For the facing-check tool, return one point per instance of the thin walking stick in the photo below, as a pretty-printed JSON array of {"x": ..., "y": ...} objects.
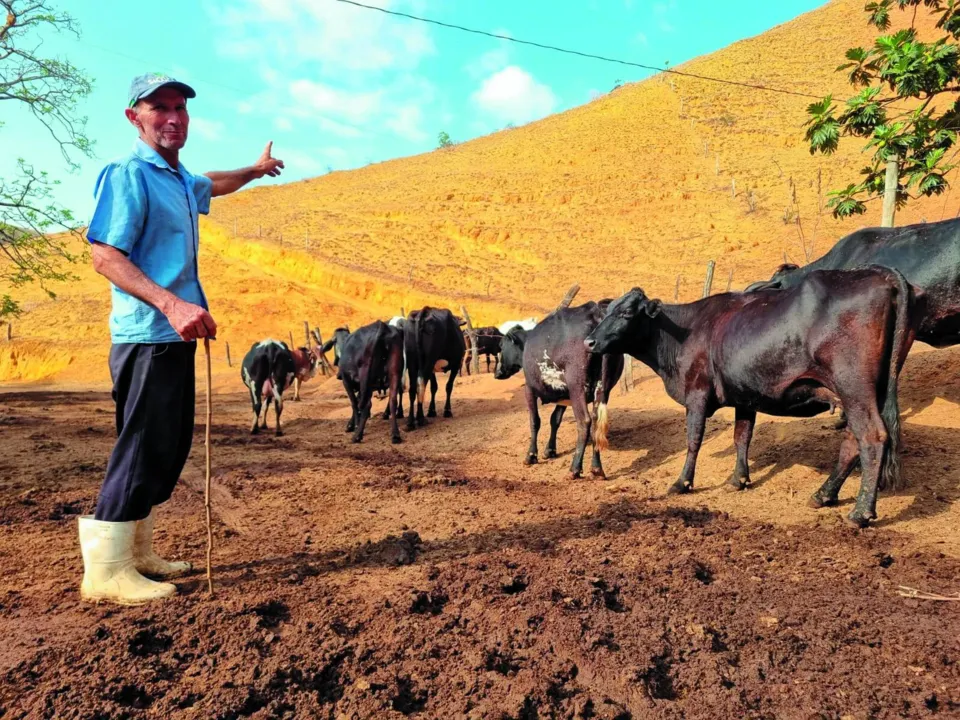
[{"x": 206, "y": 499}]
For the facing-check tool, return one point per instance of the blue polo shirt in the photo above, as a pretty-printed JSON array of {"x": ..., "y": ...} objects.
[{"x": 150, "y": 211}]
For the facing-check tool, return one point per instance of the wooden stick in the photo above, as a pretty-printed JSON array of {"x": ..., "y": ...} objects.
[
  {"x": 474, "y": 356},
  {"x": 206, "y": 498},
  {"x": 568, "y": 298},
  {"x": 909, "y": 592}
]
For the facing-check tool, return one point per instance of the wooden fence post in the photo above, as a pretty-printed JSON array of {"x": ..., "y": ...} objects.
[
  {"x": 475, "y": 359},
  {"x": 291, "y": 340},
  {"x": 676, "y": 290},
  {"x": 890, "y": 192},
  {"x": 708, "y": 283},
  {"x": 9, "y": 331},
  {"x": 324, "y": 363},
  {"x": 730, "y": 280},
  {"x": 229, "y": 364},
  {"x": 568, "y": 298},
  {"x": 306, "y": 333}
]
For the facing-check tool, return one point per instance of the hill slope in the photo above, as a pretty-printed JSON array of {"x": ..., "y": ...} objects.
[{"x": 635, "y": 188}]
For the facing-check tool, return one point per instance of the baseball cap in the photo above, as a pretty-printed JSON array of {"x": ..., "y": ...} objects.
[{"x": 144, "y": 85}]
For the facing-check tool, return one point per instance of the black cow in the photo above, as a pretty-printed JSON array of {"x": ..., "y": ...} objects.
[
  {"x": 488, "y": 343},
  {"x": 839, "y": 334},
  {"x": 928, "y": 256},
  {"x": 433, "y": 344},
  {"x": 557, "y": 368},
  {"x": 336, "y": 342},
  {"x": 365, "y": 357},
  {"x": 267, "y": 370}
]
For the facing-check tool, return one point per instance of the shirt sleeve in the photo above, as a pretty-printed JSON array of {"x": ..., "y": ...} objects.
[
  {"x": 121, "y": 208},
  {"x": 202, "y": 191}
]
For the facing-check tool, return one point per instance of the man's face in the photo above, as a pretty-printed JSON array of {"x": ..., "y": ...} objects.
[{"x": 162, "y": 119}]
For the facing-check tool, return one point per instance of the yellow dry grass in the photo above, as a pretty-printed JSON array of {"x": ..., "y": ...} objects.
[{"x": 634, "y": 188}]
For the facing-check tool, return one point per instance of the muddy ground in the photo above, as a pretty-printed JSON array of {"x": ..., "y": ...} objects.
[{"x": 443, "y": 579}]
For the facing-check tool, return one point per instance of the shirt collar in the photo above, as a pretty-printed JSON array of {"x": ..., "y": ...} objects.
[{"x": 147, "y": 153}]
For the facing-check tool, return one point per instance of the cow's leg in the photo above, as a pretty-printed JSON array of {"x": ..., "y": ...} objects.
[
  {"x": 352, "y": 394},
  {"x": 278, "y": 407},
  {"x": 266, "y": 411},
  {"x": 581, "y": 412},
  {"x": 365, "y": 402},
  {"x": 488, "y": 364},
  {"x": 447, "y": 410},
  {"x": 596, "y": 466},
  {"x": 393, "y": 403},
  {"x": 829, "y": 492},
  {"x": 296, "y": 389},
  {"x": 867, "y": 425},
  {"x": 555, "y": 418},
  {"x": 532, "y": 410},
  {"x": 742, "y": 433},
  {"x": 432, "y": 412},
  {"x": 696, "y": 423},
  {"x": 421, "y": 392}
]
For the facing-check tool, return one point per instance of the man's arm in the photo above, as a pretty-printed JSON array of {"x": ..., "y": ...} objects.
[
  {"x": 188, "y": 320},
  {"x": 230, "y": 181}
]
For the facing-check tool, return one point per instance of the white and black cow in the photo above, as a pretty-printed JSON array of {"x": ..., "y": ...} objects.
[
  {"x": 559, "y": 369},
  {"x": 528, "y": 324},
  {"x": 267, "y": 370}
]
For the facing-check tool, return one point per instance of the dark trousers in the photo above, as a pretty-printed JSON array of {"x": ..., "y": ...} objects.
[{"x": 153, "y": 387}]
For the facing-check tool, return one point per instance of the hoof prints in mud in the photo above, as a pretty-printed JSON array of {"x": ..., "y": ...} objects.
[
  {"x": 271, "y": 614},
  {"x": 149, "y": 642}
]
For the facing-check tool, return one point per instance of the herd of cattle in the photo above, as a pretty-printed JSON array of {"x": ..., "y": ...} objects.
[{"x": 834, "y": 333}]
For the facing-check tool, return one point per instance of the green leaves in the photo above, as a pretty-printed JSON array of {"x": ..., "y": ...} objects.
[{"x": 898, "y": 80}]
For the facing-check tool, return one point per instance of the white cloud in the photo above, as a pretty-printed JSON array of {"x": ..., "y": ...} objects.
[
  {"x": 407, "y": 122},
  {"x": 490, "y": 62},
  {"x": 350, "y": 106},
  {"x": 513, "y": 95},
  {"x": 662, "y": 15},
  {"x": 333, "y": 33},
  {"x": 207, "y": 129},
  {"x": 282, "y": 123}
]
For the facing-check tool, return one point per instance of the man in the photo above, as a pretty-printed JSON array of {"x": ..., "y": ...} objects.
[{"x": 145, "y": 238}]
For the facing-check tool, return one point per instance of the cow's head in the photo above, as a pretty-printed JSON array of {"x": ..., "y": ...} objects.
[
  {"x": 511, "y": 353},
  {"x": 626, "y": 317},
  {"x": 305, "y": 362}
]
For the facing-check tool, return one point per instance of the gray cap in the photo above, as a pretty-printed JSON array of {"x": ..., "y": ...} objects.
[{"x": 145, "y": 85}]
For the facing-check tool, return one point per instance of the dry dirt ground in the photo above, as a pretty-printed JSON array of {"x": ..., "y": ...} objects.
[{"x": 443, "y": 579}]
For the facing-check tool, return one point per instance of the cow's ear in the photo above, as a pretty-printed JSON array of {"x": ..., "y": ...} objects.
[{"x": 653, "y": 308}]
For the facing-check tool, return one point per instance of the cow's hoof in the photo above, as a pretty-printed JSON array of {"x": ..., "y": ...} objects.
[
  {"x": 356, "y": 438},
  {"x": 432, "y": 413},
  {"x": 530, "y": 460},
  {"x": 598, "y": 473},
  {"x": 680, "y": 488},
  {"x": 550, "y": 454},
  {"x": 279, "y": 433},
  {"x": 255, "y": 430},
  {"x": 447, "y": 413},
  {"x": 817, "y": 501},
  {"x": 858, "y": 520},
  {"x": 396, "y": 439},
  {"x": 574, "y": 475},
  {"x": 385, "y": 416},
  {"x": 421, "y": 422},
  {"x": 410, "y": 427},
  {"x": 735, "y": 484}
]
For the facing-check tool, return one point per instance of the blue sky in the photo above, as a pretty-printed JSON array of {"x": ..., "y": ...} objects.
[{"x": 335, "y": 86}]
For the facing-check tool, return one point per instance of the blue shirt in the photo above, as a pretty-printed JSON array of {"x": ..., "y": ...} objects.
[{"x": 150, "y": 211}]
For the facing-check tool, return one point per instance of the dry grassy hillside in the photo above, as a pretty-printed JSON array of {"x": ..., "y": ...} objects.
[{"x": 633, "y": 188}]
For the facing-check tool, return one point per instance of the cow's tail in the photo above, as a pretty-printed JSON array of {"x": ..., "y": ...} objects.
[
  {"x": 891, "y": 478},
  {"x": 602, "y": 424}
]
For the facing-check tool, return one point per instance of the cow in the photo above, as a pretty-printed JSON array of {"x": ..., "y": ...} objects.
[
  {"x": 305, "y": 362},
  {"x": 433, "y": 343},
  {"x": 528, "y": 324},
  {"x": 928, "y": 256},
  {"x": 557, "y": 368},
  {"x": 839, "y": 334},
  {"x": 365, "y": 357},
  {"x": 267, "y": 370},
  {"x": 488, "y": 344},
  {"x": 336, "y": 342}
]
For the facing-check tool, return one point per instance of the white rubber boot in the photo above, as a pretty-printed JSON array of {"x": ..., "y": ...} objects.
[
  {"x": 109, "y": 573},
  {"x": 146, "y": 560}
]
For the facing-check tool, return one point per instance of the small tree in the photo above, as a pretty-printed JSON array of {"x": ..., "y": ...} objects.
[
  {"x": 444, "y": 139},
  {"x": 50, "y": 89},
  {"x": 903, "y": 124}
]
